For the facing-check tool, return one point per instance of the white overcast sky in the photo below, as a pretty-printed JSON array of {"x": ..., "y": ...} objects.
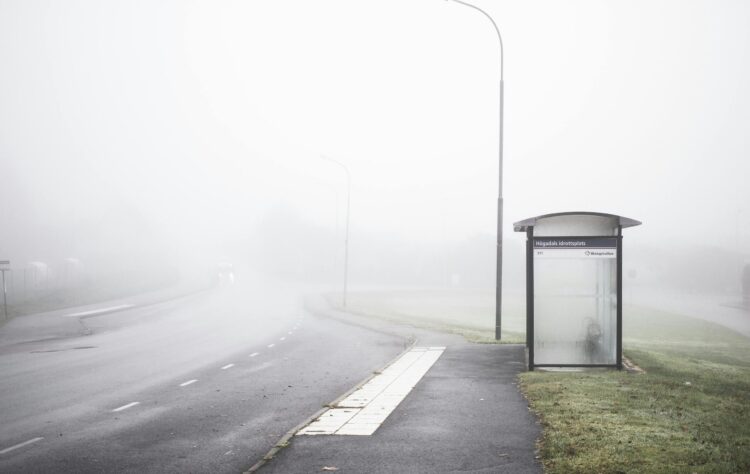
[{"x": 215, "y": 112}]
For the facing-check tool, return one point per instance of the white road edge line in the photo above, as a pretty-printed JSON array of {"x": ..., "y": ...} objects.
[
  {"x": 271, "y": 345},
  {"x": 98, "y": 311},
  {"x": 20, "y": 445},
  {"x": 185, "y": 384},
  {"x": 254, "y": 354},
  {"x": 228, "y": 366},
  {"x": 125, "y": 407}
]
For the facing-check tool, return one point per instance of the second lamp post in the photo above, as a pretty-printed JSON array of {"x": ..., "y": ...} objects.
[{"x": 346, "y": 239}]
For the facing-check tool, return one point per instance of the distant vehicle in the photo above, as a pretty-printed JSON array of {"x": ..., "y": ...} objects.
[{"x": 225, "y": 274}]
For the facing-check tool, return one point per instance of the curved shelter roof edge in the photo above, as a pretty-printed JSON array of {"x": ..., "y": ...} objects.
[{"x": 522, "y": 226}]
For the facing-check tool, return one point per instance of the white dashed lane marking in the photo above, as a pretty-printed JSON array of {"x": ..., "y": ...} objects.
[
  {"x": 349, "y": 413},
  {"x": 362, "y": 412},
  {"x": 125, "y": 407},
  {"x": 20, "y": 445}
]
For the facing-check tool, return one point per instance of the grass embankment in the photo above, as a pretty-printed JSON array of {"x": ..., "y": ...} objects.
[
  {"x": 469, "y": 313},
  {"x": 690, "y": 411}
]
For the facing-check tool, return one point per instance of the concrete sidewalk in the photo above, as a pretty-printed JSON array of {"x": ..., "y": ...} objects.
[{"x": 465, "y": 415}]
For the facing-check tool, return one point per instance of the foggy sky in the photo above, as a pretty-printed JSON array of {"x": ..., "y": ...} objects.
[{"x": 201, "y": 118}]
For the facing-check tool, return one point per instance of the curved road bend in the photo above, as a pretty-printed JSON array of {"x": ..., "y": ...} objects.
[{"x": 202, "y": 384}]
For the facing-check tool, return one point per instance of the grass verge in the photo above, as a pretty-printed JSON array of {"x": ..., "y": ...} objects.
[
  {"x": 690, "y": 411},
  {"x": 469, "y": 313}
]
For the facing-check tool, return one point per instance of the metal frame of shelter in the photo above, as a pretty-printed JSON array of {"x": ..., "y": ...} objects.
[{"x": 527, "y": 226}]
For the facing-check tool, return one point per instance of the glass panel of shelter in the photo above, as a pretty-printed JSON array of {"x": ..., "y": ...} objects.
[
  {"x": 575, "y": 299},
  {"x": 575, "y": 311}
]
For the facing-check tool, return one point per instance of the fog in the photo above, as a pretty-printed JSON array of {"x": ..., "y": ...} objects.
[
  {"x": 223, "y": 221},
  {"x": 150, "y": 141}
]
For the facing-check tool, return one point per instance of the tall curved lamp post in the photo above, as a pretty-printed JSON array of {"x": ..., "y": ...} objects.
[
  {"x": 499, "y": 269},
  {"x": 346, "y": 239}
]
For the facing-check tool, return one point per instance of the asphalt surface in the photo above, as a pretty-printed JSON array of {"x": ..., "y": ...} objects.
[
  {"x": 212, "y": 382},
  {"x": 206, "y": 383},
  {"x": 465, "y": 415}
]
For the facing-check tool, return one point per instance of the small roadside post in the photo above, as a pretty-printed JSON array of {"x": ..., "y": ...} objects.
[{"x": 4, "y": 268}]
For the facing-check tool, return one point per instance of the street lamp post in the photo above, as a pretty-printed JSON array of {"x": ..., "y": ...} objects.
[
  {"x": 346, "y": 238},
  {"x": 499, "y": 269}
]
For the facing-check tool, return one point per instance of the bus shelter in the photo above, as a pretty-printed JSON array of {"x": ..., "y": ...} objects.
[{"x": 574, "y": 289}]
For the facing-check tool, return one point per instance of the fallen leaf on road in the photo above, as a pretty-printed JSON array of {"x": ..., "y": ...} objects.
[{"x": 329, "y": 468}]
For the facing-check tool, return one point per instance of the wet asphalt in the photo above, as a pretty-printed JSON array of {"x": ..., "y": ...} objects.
[
  {"x": 118, "y": 399},
  {"x": 465, "y": 415},
  {"x": 211, "y": 384}
]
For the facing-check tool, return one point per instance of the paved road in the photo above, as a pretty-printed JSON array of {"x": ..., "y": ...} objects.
[
  {"x": 206, "y": 383},
  {"x": 465, "y": 415}
]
